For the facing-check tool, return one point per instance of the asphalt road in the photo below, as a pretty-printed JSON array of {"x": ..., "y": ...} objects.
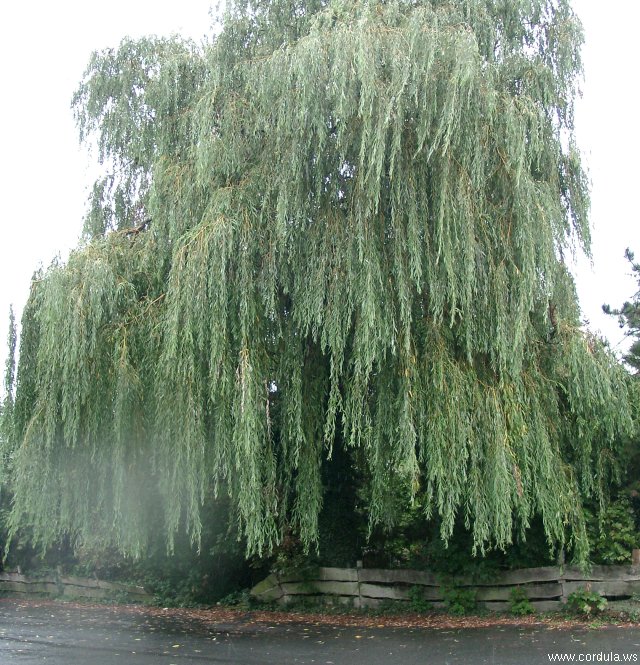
[{"x": 59, "y": 634}]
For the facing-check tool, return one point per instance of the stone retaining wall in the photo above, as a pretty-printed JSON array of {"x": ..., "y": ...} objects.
[
  {"x": 546, "y": 588},
  {"x": 59, "y": 586}
]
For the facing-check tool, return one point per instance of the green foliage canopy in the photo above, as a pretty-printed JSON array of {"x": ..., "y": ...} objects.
[
  {"x": 629, "y": 316},
  {"x": 358, "y": 217},
  {"x": 6, "y": 404}
]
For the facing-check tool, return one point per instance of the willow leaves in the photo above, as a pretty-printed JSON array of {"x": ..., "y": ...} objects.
[{"x": 359, "y": 212}]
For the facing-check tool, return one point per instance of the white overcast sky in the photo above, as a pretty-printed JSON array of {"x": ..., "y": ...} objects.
[{"x": 44, "y": 173}]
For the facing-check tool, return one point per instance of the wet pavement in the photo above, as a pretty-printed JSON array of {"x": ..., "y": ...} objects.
[{"x": 64, "y": 634}]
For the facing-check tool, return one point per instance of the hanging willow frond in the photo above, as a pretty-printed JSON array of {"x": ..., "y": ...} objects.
[{"x": 358, "y": 212}]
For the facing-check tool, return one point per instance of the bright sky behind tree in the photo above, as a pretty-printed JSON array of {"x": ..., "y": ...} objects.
[{"x": 45, "y": 175}]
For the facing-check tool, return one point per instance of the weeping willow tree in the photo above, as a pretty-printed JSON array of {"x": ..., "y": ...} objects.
[{"x": 336, "y": 224}]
